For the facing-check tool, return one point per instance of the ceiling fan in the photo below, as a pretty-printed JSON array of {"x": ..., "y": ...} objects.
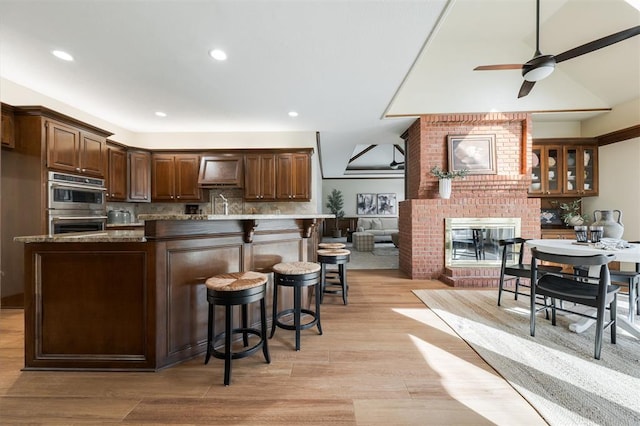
[{"x": 541, "y": 66}]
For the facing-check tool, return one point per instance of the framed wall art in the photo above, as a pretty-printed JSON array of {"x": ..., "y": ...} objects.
[
  {"x": 366, "y": 204},
  {"x": 386, "y": 204},
  {"x": 476, "y": 153}
]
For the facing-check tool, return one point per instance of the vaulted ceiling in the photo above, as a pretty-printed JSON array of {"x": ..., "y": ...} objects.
[{"x": 357, "y": 72}]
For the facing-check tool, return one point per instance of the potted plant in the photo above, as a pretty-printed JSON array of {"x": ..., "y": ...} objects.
[
  {"x": 572, "y": 214},
  {"x": 445, "y": 178},
  {"x": 335, "y": 204}
]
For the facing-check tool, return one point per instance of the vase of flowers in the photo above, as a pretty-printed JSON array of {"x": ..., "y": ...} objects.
[{"x": 445, "y": 178}]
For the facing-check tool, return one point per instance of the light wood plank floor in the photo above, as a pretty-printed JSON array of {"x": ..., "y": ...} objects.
[{"x": 383, "y": 359}]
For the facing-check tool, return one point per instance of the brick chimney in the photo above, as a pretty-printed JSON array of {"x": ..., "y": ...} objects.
[{"x": 423, "y": 213}]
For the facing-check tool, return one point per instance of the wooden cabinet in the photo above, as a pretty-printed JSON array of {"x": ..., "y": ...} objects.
[
  {"x": 139, "y": 172},
  {"x": 8, "y": 127},
  {"x": 221, "y": 169},
  {"x": 175, "y": 177},
  {"x": 564, "y": 167},
  {"x": 293, "y": 172},
  {"x": 558, "y": 233},
  {"x": 259, "y": 177},
  {"x": 581, "y": 171},
  {"x": 75, "y": 151},
  {"x": 116, "y": 181},
  {"x": 278, "y": 176}
]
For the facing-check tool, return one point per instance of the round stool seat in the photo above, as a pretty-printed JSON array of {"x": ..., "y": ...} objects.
[
  {"x": 296, "y": 268},
  {"x": 236, "y": 281},
  {"x": 331, "y": 245},
  {"x": 236, "y": 289}
]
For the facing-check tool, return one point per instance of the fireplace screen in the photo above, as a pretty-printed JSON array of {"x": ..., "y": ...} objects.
[{"x": 474, "y": 241}]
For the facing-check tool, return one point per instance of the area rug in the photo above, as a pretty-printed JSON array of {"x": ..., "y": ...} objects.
[
  {"x": 555, "y": 370},
  {"x": 386, "y": 251}
]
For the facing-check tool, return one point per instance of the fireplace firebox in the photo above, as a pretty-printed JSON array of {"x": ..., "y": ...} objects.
[{"x": 474, "y": 241}]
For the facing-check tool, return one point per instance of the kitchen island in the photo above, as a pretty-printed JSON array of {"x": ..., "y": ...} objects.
[{"x": 136, "y": 300}]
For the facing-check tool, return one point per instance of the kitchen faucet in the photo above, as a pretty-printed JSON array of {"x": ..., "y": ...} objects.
[{"x": 225, "y": 205}]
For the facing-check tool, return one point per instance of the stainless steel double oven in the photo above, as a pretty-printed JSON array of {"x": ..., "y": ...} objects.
[{"x": 76, "y": 203}]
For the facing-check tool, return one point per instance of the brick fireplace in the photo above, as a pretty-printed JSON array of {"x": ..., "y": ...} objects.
[{"x": 423, "y": 213}]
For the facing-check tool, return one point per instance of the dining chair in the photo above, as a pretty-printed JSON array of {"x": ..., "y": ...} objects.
[
  {"x": 515, "y": 247},
  {"x": 597, "y": 293}
]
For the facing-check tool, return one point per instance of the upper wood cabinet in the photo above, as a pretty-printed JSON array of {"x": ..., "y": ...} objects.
[
  {"x": 116, "y": 174},
  {"x": 139, "y": 168},
  {"x": 564, "y": 167},
  {"x": 174, "y": 177},
  {"x": 259, "y": 177},
  {"x": 221, "y": 169},
  {"x": 293, "y": 172},
  {"x": 277, "y": 176},
  {"x": 72, "y": 150},
  {"x": 8, "y": 127}
]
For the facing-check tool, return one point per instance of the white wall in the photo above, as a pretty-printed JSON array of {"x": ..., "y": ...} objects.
[
  {"x": 555, "y": 129},
  {"x": 619, "y": 184},
  {"x": 351, "y": 187}
]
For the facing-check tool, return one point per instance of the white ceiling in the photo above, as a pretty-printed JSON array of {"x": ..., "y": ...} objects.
[{"x": 345, "y": 66}]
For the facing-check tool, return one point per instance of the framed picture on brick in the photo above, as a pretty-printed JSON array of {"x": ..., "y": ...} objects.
[{"x": 476, "y": 153}]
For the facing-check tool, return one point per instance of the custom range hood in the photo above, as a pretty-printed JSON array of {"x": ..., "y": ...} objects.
[{"x": 218, "y": 170}]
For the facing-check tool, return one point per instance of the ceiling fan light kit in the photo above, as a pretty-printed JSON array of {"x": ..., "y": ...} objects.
[
  {"x": 541, "y": 66},
  {"x": 538, "y": 68}
]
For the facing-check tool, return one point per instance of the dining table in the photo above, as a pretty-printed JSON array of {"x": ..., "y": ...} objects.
[{"x": 623, "y": 252}]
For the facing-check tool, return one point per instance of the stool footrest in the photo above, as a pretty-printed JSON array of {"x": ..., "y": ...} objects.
[
  {"x": 245, "y": 352},
  {"x": 304, "y": 326}
]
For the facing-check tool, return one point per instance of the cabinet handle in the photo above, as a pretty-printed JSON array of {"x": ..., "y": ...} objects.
[
  {"x": 178, "y": 197},
  {"x": 84, "y": 170},
  {"x": 77, "y": 169}
]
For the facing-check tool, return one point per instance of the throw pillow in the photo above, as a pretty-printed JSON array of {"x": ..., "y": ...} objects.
[
  {"x": 364, "y": 223},
  {"x": 376, "y": 224}
]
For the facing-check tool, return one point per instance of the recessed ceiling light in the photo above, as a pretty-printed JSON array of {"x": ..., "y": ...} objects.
[
  {"x": 161, "y": 114},
  {"x": 62, "y": 55},
  {"x": 293, "y": 114},
  {"x": 218, "y": 54}
]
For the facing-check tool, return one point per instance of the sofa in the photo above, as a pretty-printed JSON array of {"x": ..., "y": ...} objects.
[{"x": 382, "y": 228}]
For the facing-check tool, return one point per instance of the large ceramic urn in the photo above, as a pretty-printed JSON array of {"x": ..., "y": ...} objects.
[{"x": 613, "y": 228}]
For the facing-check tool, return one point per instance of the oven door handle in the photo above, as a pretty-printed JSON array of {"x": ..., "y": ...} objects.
[
  {"x": 70, "y": 185},
  {"x": 77, "y": 217}
]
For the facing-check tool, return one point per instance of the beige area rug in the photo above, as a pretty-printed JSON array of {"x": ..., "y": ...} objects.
[{"x": 555, "y": 370}]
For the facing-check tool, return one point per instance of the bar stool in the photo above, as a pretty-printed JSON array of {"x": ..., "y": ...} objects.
[
  {"x": 338, "y": 257},
  {"x": 228, "y": 290},
  {"x": 296, "y": 275}
]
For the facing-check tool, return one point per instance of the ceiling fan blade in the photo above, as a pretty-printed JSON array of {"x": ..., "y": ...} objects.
[
  {"x": 598, "y": 44},
  {"x": 498, "y": 67},
  {"x": 525, "y": 88}
]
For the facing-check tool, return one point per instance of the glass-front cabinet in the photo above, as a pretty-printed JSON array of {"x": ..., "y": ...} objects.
[
  {"x": 581, "y": 172},
  {"x": 546, "y": 171},
  {"x": 564, "y": 167}
]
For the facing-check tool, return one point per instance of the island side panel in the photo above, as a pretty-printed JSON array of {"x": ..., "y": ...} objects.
[{"x": 89, "y": 308}]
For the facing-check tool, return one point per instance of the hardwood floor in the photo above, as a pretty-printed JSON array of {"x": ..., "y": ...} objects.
[{"x": 383, "y": 359}]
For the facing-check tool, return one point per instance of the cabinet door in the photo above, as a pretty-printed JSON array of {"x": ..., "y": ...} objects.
[
  {"x": 162, "y": 175},
  {"x": 63, "y": 147},
  {"x": 301, "y": 178},
  {"x": 589, "y": 155},
  {"x": 8, "y": 130},
  {"x": 284, "y": 177},
  {"x": 259, "y": 177},
  {"x": 117, "y": 175},
  {"x": 581, "y": 170},
  {"x": 186, "y": 175},
  {"x": 92, "y": 154},
  {"x": 552, "y": 170},
  {"x": 139, "y": 176}
]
